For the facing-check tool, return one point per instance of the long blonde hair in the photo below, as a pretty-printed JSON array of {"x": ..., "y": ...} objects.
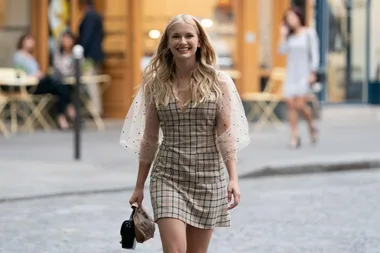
[{"x": 159, "y": 75}]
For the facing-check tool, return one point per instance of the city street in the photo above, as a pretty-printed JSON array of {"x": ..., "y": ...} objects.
[
  {"x": 331, "y": 213},
  {"x": 69, "y": 75}
]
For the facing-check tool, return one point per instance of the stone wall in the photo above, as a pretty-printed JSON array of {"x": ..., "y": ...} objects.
[{"x": 17, "y": 21}]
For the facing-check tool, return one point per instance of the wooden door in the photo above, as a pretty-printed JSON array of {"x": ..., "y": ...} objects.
[
  {"x": 2, "y": 13},
  {"x": 40, "y": 31},
  {"x": 123, "y": 52},
  {"x": 250, "y": 38},
  {"x": 247, "y": 26},
  {"x": 278, "y": 12}
]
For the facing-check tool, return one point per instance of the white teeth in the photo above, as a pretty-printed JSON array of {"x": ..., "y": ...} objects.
[{"x": 183, "y": 49}]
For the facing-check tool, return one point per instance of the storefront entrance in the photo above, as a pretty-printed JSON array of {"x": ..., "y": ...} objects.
[
  {"x": 244, "y": 34},
  {"x": 347, "y": 42}
]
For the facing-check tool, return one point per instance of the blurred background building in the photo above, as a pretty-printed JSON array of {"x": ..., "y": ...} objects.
[{"x": 244, "y": 33}]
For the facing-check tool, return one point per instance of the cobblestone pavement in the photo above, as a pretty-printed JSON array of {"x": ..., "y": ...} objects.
[{"x": 329, "y": 213}]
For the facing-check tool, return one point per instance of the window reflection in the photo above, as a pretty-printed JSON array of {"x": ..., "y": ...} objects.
[
  {"x": 337, "y": 89},
  {"x": 336, "y": 52}
]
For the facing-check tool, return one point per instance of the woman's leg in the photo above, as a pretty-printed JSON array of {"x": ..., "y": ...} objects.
[
  {"x": 65, "y": 104},
  {"x": 71, "y": 112},
  {"x": 64, "y": 101},
  {"x": 173, "y": 235},
  {"x": 293, "y": 121},
  {"x": 198, "y": 239},
  {"x": 303, "y": 108},
  {"x": 48, "y": 85}
]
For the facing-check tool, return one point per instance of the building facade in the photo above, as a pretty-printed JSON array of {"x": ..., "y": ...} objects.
[{"x": 244, "y": 33}]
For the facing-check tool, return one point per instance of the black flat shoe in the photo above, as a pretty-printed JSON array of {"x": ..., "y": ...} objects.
[{"x": 64, "y": 129}]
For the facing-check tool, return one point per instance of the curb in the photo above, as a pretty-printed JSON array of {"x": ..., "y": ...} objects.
[
  {"x": 265, "y": 171},
  {"x": 65, "y": 194},
  {"x": 311, "y": 168}
]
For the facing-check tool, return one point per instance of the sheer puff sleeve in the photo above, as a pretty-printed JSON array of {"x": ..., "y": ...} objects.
[
  {"x": 231, "y": 124},
  {"x": 140, "y": 132}
]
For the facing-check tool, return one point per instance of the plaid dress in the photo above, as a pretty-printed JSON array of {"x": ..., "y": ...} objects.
[{"x": 188, "y": 180}]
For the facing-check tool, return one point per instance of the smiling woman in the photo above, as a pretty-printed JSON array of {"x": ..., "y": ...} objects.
[{"x": 197, "y": 109}]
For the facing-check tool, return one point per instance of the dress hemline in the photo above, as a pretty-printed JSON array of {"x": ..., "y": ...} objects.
[{"x": 193, "y": 224}]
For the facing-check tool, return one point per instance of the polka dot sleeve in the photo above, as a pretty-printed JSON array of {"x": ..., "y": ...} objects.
[
  {"x": 140, "y": 132},
  {"x": 232, "y": 125}
]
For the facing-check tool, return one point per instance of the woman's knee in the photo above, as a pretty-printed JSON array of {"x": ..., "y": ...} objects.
[
  {"x": 173, "y": 235},
  {"x": 300, "y": 103},
  {"x": 291, "y": 104},
  {"x": 198, "y": 240}
]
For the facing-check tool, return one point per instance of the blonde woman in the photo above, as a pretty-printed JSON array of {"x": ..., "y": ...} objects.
[{"x": 187, "y": 122}]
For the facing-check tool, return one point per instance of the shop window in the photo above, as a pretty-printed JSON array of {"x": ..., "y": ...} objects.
[{"x": 338, "y": 90}]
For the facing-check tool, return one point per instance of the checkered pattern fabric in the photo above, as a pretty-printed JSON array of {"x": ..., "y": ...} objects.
[{"x": 188, "y": 176}]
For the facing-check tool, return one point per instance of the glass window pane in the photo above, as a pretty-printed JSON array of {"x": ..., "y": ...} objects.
[
  {"x": 337, "y": 89},
  {"x": 336, "y": 52},
  {"x": 357, "y": 88}
]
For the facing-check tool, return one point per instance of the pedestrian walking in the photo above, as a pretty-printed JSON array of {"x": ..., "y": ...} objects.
[
  {"x": 187, "y": 122},
  {"x": 300, "y": 44}
]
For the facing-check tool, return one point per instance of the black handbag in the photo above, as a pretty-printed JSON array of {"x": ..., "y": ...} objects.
[{"x": 127, "y": 232}]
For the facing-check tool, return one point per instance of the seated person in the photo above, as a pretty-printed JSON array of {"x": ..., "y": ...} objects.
[
  {"x": 24, "y": 59},
  {"x": 63, "y": 60}
]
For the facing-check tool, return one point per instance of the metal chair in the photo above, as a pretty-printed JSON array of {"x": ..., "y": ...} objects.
[
  {"x": 264, "y": 103},
  {"x": 19, "y": 89}
]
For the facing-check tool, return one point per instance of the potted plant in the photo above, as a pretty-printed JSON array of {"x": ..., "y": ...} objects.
[{"x": 88, "y": 67}]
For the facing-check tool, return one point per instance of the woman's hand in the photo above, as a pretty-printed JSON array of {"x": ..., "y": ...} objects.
[
  {"x": 233, "y": 190},
  {"x": 137, "y": 197},
  {"x": 284, "y": 31}
]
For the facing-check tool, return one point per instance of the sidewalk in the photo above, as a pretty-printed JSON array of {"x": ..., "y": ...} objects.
[{"x": 42, "y": 164}]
